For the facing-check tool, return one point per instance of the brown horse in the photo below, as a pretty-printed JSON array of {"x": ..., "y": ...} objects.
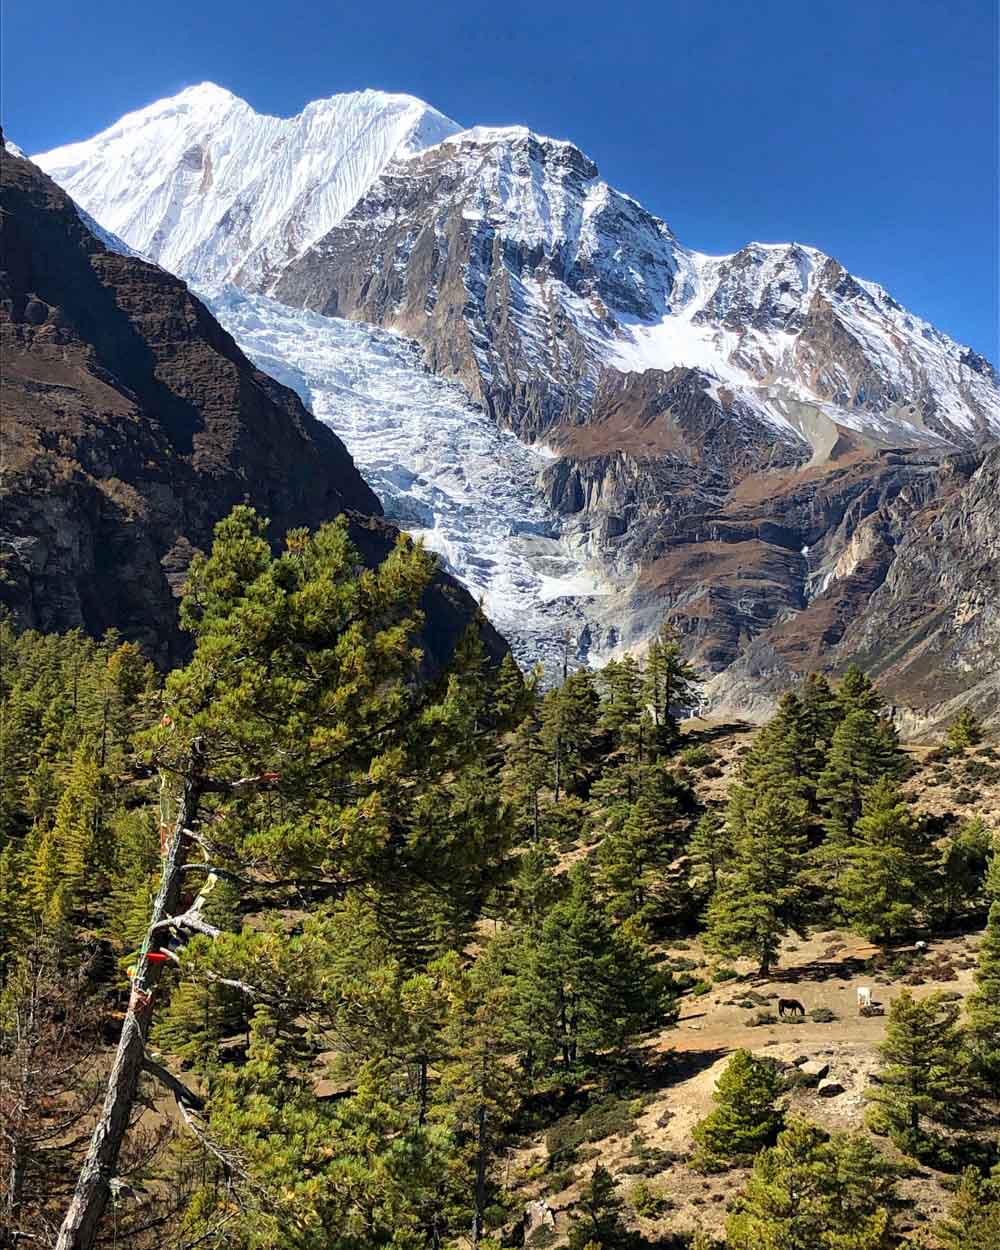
[{"x": 790, "y": 1007}]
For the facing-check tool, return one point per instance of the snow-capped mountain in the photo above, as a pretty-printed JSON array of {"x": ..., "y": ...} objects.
[
  {"x": 526, "y": 276},
  {"x": 214, "y": 191},
  {"x": 739, "y": 442}
]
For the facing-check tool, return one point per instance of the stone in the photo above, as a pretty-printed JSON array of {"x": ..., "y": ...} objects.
[
  {"x": 829, "y": 1089},
  {"x": 538, "y": 1214},
  {"x": 814, "y": 1070}
]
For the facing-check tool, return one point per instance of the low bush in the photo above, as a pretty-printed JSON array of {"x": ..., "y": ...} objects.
[
  {"x": 697, "y": 757},
  {"x": 762, "y": 1017},
  {"x": 558, "y": 1181},
  {"x": 822, "y": 1015},
  {"x": 648, "y": 1201},
  {"x": 607, "y": 1117}
]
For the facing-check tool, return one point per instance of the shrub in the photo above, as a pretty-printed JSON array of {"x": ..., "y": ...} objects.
[
  {"x": 697, "y": 757},
  {"x": 648, "y": 1201},
  {"x": 608, "y": 1117},
  {"x": 725, "y": 974},
  {"x": 700, "y": 987},
  {"x": 966, "y": 730},
  {"x": 822, "y": 1015},
  {"x": 560, "y": 1180},
  {"x": 762, "y": 1017}
]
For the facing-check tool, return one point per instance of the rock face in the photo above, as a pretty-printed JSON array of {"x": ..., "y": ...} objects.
[
  {"x": 758, "y": 445},
  {"x": 132, "y": 424},
  {"x": 913, "y": 596}
]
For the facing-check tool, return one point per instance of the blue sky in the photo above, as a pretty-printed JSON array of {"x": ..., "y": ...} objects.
[{"x": 865, "y": 127}]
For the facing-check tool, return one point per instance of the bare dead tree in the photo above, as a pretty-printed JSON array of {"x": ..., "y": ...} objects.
[{"x": 94, "y": 1184}]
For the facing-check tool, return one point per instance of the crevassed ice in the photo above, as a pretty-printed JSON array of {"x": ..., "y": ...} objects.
[{"x": 440, "y": 466}]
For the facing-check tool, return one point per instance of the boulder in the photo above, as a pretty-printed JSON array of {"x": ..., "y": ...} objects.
[
  {"x": 829, "y": 1089},
  {"x": 537, "y": 1214},
  {"x": 814, "y": 1070}
]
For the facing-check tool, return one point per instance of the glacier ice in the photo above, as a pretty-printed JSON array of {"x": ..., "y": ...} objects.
[{"x": 440, "y": 466}]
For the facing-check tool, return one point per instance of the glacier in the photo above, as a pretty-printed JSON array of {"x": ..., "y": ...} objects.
[{"x": 440, "y": 466}]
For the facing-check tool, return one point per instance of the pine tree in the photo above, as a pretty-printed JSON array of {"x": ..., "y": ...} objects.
[
  {"x": 921, "y": 1078},
  {"x": 670, "y": 686},
  {"x": 856, "y": 692},
  {"x": 983, "y": 1006},
  {"x": 311, "y": 764},
  {"x": 745, "y": 1117},
  {"x": 597, "y": 1217},
  {"x": 526, "y": 773},
  {"x": 15, "y": 913},
  {"x": 963, "y": 867},
  {"x": 815, "y": 1191},
  {"x": 965, "y": 731},
  {"x": 634, "y": 857},
  {"x": 73, "y": 858},
  {"x": 973, "y": 1220},
  {"x": 709, "y": 851},
  {"x": 622, "y": 714},
  {"x": 887, "y": 878},
  {"x": 864, "y": 749},
  {"x": 569, "y": 723},
  {"x": 762, "y": 894},
  {"x": 478, "y": 1094},
  {"x": 581, "y": 985}
]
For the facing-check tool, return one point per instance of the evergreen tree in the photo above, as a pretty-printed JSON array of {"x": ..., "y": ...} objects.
[
  {"x": 622, "y": 714},
  {"x": 815, "y": 1191},
  {"x": 856, "y": 692},
  {"x": 635, "y": 855},
  {"x": 762, "y": 894},
  {"x": 965, "y": 731},
  {"x": 709, "y": 851},
  {"x": 597, "y": 1220},
  {"x": 983, "y": 1006},
  {"x": 73, "y": 857},
  {"x": 887, "y": 878},
  {"x": 963, "y": 866},
  {"x": 479, "y": 1088},
  {"x": 581, "y": 985},
  {"x": 921, "y": 1077},
  {"x": 973, "y": 1220},
  {"x": 820, "y": 714},
  {"x": 745, "y": 1117},
  {"x": 864, "y": 749},
  {"x": 526, "y": 773},
  {"x": 569, "y": 722},
  {"x": 15, "y": 913},
  {"x": 669, "y": 687}
]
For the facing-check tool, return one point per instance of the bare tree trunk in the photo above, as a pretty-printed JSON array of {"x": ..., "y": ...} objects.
[{"x": 93, "y": 1187}]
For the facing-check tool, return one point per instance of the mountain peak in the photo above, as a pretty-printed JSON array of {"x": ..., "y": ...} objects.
[{"x": 207, "y": 187}]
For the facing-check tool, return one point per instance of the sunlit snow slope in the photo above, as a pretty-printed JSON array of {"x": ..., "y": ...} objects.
[
  {"x": 440, "y": 466},
  {"x": 214, "y": 191}
]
